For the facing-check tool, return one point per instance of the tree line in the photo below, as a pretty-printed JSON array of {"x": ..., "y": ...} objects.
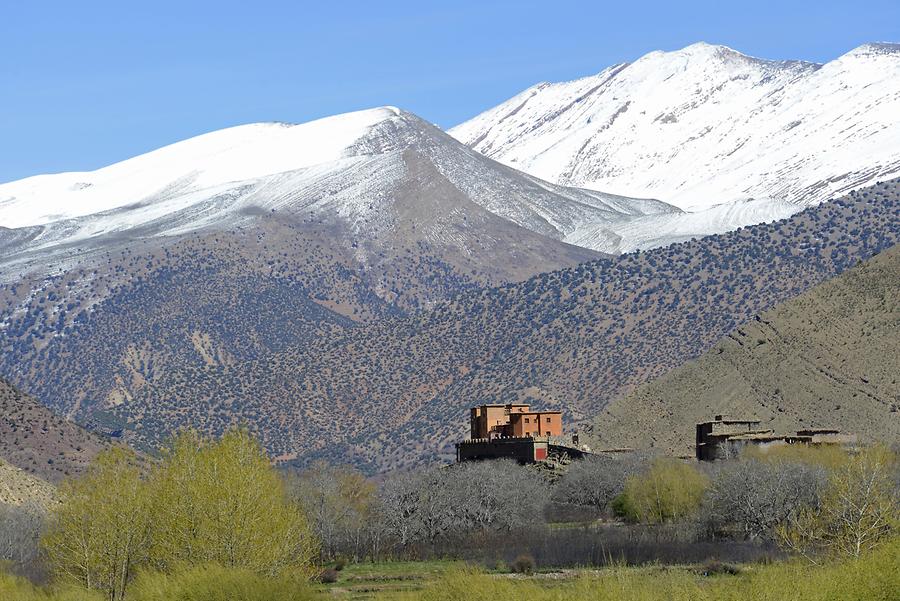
[
  {"x": 813, "y": 502},
  {"x": 221, "y": 503}
]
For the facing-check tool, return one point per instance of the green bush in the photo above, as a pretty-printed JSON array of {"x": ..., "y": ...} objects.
[
  {"x": 14, "y": 588},
  {"x": 217, "y": 583},
  {"x": 206, "y": 502},
  {"x": 671, "y": 490}
]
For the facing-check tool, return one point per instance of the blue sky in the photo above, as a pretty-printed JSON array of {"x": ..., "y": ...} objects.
[{"x": 84, "y": 84}]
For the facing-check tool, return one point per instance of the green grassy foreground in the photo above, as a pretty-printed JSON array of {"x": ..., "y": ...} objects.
[
  {"x": 875, "y": 577},
  {"x": 386, "y": 579}
]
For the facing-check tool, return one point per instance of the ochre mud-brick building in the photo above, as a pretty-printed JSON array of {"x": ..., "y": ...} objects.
[
  {"x": 513, "y": 421},
  {"x": 512, "y": 431}
]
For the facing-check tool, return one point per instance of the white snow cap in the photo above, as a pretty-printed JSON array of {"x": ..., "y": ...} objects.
[
  {"x": 235, "y": 154},
  {"x": 705, "y": 125}
]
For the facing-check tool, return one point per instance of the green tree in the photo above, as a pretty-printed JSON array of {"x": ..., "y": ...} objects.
[
  {"x": 99, "y": 534},
  {"x": 222, "y": 502},
  {"x": 206, "y": 502},
  {"x": 670, "y": 490}
]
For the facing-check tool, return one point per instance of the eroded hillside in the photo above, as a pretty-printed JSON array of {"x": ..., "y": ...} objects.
[{"x": 827, "y": 358}]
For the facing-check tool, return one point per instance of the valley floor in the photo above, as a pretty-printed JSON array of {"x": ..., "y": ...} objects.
[{"x": 876, "y": 577}]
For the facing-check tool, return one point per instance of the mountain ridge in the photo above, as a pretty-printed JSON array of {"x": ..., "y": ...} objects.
[
  {"x": 39, "y": 442},
  {"x": 724, "y": 126},
  {"x": 349, "y": 171}
]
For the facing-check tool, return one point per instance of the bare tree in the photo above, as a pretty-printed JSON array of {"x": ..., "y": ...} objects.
[
  {"x": 596, "y": 481},
  {"x": 499, "y": 496},
  {"x": 339, "y": 502},
  {"x": 858, "y": 509},
  {"x": 398, "y": 507},
  {"x": 20, "y": 531},
  {"x": 436, "y": 505},
  {"x": 751, "y": 497}
]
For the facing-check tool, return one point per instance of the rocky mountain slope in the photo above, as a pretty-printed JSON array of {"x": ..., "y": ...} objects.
[
  {"x": 18, "y": 487},
  {"x": 828, "y": 358},
  {"x": 39, "y": 442},
  {"x": 707, "y": 125},
  {"x": 225, "y": 328}
]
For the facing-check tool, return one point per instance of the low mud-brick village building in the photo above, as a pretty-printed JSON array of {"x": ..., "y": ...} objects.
[
  {"x": 723, "y": 438},
  {"x": 513, "y": 431}
]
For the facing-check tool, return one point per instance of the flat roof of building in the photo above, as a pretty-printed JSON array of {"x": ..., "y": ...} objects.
[{"x": 732, "y": 421}]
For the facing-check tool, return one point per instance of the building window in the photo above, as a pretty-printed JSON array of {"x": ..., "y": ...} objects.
[
  {"x": 548, "y": 420},
  {"x": 526, "y": 421}
]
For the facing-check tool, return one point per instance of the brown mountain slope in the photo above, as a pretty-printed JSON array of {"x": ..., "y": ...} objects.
[
  {"x": 828, "y": 358},
  {"x": 226, "y": 328},
  {"x": 39, "y": 442},
  {"x": 18, "y": 487}
]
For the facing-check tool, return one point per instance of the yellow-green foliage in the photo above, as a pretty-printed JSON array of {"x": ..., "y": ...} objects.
[
  {"x": 217, "y": 583},
  {"x": 13, "y": 588},
  {"x": 828, "y": 456},
  {"x": 205, "y": 502},
  {"x": 101, "y": 528},
  {"x": 875, "y": 577},
  {"x": 669, "y": 490},
  {"x": 857, "y": 512},
  {"x": 221, "y": 502}
]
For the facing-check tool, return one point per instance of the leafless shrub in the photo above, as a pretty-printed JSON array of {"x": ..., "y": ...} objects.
[
  {"x": 595, "y": 481},
  {"x": 750, "y": 498},
  {"x": 523, "y": 564},
  {"x": 20, "y": 530}
]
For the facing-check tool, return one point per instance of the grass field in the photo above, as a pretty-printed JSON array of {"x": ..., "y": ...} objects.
[
  {"x": 873, "y": 578},
  {"x": 369, "y": 580}
]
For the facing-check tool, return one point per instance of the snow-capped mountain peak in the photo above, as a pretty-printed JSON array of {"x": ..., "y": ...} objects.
[
  {"x": 705, "y": 125},
  {"x": 211, "y": 160},
  {"x": 378, "y": 180}
]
